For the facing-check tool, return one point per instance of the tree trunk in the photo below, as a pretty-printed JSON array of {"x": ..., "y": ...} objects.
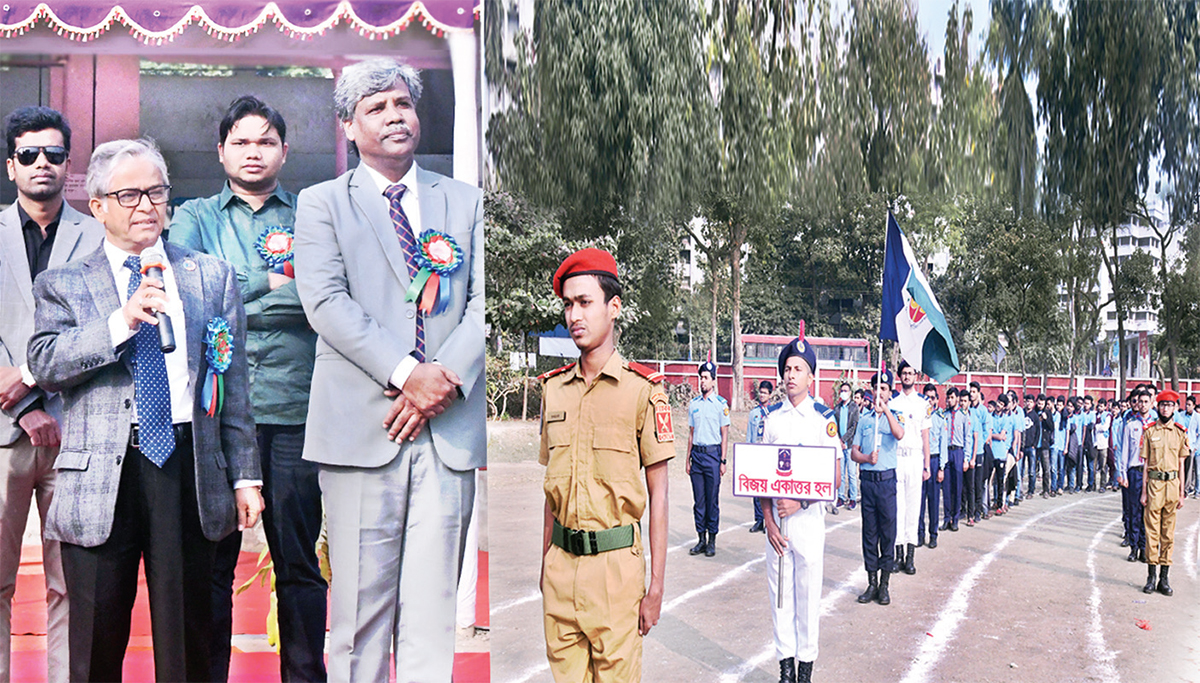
[
  {"x": 712, "y": 337},
  {"x": 524, "y": 377},
  {"x": 738, "y": 233}
]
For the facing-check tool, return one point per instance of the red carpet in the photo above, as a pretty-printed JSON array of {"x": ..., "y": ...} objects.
[{"x": 249, "y": 616}]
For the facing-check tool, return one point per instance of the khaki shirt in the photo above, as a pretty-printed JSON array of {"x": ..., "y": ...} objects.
[
  {"x": 1164, "y": 446},
  {"x": 596, "y": 439}
]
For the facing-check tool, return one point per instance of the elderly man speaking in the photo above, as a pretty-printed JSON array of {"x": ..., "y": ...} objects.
[{"x": 158, "y": 458}]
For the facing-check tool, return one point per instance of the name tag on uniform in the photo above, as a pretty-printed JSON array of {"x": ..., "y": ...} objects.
[{"x": 556, "y": 416}]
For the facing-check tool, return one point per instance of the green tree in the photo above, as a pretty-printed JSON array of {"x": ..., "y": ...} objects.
[
  {"x": 1015, "y": 35},
  {"x": 1100, "y": 82}
]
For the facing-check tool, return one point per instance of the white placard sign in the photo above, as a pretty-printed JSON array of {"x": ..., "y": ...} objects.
[{"x": 783, "y": 471}]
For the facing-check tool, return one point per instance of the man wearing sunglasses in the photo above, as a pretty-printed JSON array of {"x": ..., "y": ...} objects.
[{"x": 37, "y": 232}]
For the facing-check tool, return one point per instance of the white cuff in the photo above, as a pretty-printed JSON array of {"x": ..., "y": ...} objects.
[
  {"x": 118, "y": 331},
  {"x": 402, "y": 371},
  {"x": 27, "y": 377},
  {"x": 247, "y": 483}
]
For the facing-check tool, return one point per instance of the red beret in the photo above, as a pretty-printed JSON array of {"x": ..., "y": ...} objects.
[
  {"x": 1167, "y": 395},
  {"x": 584, "y": 262}
]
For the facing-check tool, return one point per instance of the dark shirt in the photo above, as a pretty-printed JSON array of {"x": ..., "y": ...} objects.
[{"x": 37, "y": 247}]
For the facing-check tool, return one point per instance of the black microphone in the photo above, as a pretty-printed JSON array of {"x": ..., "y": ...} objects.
[{"x": 152, "y": 265}]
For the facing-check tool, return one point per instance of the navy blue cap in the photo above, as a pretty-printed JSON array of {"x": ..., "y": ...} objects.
[
  {"x": 884, "y": 377},
  {"x": 710, "y": 366},
  {"x": 801, "y": 348}
]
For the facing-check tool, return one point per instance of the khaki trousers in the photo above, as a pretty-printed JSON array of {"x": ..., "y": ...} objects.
[{"x": 1162, "y": 497}]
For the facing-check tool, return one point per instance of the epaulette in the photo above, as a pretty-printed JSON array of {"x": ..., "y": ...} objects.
[
  {"x": 1181, "y": 427},
  {"x": 557, "y": 371},
  {"x": 773, "y": 408},
  {"x": 647, "y": 372},
  {"x": 822, "y": 409}
]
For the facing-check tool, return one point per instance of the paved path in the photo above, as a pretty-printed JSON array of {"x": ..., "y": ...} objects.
[{"x": 1042, "y": 593}]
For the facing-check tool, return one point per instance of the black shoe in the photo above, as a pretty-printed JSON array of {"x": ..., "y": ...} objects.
[
  {"x": 711, "y": 548},
  {"x": 804, "y": 672},
  {"x": 1163, "y": 586},
  {"x": 954, "y": 526},
  {"x": 882, "y": 596},
  {"x": 1132, "y": 555},
  {"x": 909, "y": 567},
  {"x": 699, "y": 547},
  {"x": 920, "y": 541},
  {"x": 1124, "y": 542},
  {"x": 758, "y": 528},
  {"x": 1150, "y": 580},
  {"x": 872, "y": 588},
  {"x": 944, "y": 526},
  {"x": 933, "y": 543},
  {"x": 1142, "y": 555},
  {"x": 787, "y": 670}
]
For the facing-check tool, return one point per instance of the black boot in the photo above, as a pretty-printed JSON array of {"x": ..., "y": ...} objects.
[
  {"x": 909, "y": 567},
  {"x": 882, "y": 597},
  {"x": 787, "y": 670},
  {"x": 711, "y": 548},
  {"x": 1132, "y": 553},
  {"x": 897, "y": 560},
  {"x": 1141, "y": 555},
  {"x": 1151, "y": 579},
  {"x": 1163, "y": 586},
  {"x": 699, "y": 547},
  {"x": 872, "y": 588},
  {"x": 758, "y": 528},
  {"x": 804, "y": 672}
]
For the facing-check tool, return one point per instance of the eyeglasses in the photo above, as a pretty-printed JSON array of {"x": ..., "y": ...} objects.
[
  {"x": 26, "y": 156},
  {"x": 132, "y": 197}
]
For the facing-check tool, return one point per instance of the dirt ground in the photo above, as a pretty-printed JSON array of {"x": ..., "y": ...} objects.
[{"x": 1043, "y": 593}]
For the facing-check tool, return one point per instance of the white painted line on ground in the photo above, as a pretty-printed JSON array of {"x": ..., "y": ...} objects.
[
  {"x": 953, "y": 613},
  {"x": 742, "y": 670},
  {"x": 1102, "y": 657},
  {"x": 516, "y": 602},
  {"x": 1190, "y": 548},
  {"x": 532, "y": 671},
  {"x": 715, "y": 583}
]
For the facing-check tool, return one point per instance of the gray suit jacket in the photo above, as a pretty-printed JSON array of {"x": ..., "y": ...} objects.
[
  {"x": 352, "y": 278},
  {"x": 71, "y": 352},
  {"x": 77, "y": 235}
]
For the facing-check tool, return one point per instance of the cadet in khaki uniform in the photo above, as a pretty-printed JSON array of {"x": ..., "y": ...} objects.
[
  {"x": 1164, "y": 445},
  {"x": 603, "y": 421}
]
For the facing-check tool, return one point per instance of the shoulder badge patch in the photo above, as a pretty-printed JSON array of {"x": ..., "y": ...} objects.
[
  {"x": 831, "y": 429},
  {"x": 899, "y": 416},
  {"x": 647, "y": 372},
  {"x": 664, "y": 431},
  {"x": 557, "y": 371}
]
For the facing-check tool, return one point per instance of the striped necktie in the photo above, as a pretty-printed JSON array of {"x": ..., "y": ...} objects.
[{"x": 408, "y": 243}]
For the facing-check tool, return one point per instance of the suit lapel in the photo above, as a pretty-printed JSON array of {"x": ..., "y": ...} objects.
[
  {"x": 100, "y": 282},
  {"x": 189, "y": 279},
  {"x": 433, "y": 201},
  {"x": 374, "y": 206},
  {"x": 12, "y": 253},
  {"x": 69, "y": 234}
]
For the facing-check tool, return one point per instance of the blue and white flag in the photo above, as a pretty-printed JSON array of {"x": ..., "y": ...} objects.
[{"x": 910, "y": 314}]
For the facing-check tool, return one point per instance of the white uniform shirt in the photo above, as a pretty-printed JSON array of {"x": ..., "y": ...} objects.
[{"x": 915, "y": 409}]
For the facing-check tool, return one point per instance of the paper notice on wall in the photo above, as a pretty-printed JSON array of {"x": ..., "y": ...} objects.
[{"x": 76, "y": 187}]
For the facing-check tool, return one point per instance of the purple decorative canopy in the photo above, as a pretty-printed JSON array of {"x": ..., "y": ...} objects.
[{"x": 159, "y": 21}]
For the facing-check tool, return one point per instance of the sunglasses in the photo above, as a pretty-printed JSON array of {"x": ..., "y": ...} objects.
[{"x": 26, "y": 156}]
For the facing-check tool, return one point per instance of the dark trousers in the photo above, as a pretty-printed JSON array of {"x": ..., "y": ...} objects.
[
  {"x": 292, "y": 522},
  {"x": 156, "y": 520},
  {"x": 953, "y": 486},
  {"x": 1073, "y": 472},
  {"x": 758, "y": 514},
  {"x": 998, "y": 481},
  {"x": 971, "y": 492},
  {"x": 1043, "y": 461},
  {"x": 878, "y": 518},
  {"x": 1089, "y": 464},
  {"x": 1132, "y": 510},
  {"x": 982, "y": 472},
  {"x": 706, "y": 488},
  {"x": 1031, "y": 465},
  {"x": 931, "y": 494},
  {"x": 1100, "y": 459}
]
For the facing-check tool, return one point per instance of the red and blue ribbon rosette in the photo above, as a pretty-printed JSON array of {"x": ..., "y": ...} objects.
[
  {"x": 219, "y": 352},
  {"x": 275, "y": 247},
  {"x": 439, "y": 256}
]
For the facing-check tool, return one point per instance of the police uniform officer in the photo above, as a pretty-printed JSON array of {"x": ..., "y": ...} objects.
[
  {"x": 708, "y": 435},
  {"x": 795, "y": 529},
  {"x": 875, "y": 447},
  {"x": 1130, "y": 471},
  {"x": 1164, "y": 446},
  {"x": 603, "y": 420}
]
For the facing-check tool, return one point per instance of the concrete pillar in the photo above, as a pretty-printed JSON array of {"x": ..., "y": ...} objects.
[
  {"x": 117, "y": 103},
  {"x": 464, "y": 60}
]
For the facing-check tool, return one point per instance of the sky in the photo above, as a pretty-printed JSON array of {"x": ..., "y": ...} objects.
[{"x": 931, "y": 17}]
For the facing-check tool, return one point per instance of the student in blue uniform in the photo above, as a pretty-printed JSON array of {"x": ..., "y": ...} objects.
[
  {"x": 708, "y": 441},
  {"x": 877, "y": 458},
  {"x": 931, "y": 488},
  {"x": 754, "y": 434}
]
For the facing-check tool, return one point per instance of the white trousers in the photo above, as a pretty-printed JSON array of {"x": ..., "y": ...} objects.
[
  {"x": 910, "y": 465},
  {"x": 796, "y": 622}
]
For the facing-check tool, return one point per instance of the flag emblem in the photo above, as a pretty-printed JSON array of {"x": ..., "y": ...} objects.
[{"x": 916, "y": 314}]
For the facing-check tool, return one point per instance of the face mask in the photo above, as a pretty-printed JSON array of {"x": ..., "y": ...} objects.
[{"x": 845, "y": 395}]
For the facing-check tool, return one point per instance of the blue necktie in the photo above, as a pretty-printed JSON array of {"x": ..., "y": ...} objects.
[
  {"x": 408, "y": 243},
  {"x": 156, "y": 438}
]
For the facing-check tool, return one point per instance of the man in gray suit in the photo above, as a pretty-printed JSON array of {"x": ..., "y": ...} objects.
[
  {"x": 396, "y": 414},
  {"x": 148, "y": 468},
  {"x": 39, "y": 231}
]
